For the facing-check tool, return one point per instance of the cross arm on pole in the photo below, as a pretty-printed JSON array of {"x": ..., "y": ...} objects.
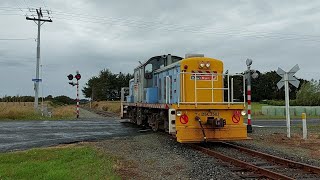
[{"x": 36, "y": 19}]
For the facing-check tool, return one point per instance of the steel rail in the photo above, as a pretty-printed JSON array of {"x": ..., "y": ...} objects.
[
  {"x": 275, "y": 159},
  {"x": 242, "y": 164}
]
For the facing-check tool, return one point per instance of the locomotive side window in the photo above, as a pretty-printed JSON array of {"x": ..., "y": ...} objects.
[
  {"x": 148, "y": 71},
  {"x": 148, "y": 68}
]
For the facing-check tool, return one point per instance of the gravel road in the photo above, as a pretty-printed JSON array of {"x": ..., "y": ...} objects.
[{"x": 20, "y": 135}]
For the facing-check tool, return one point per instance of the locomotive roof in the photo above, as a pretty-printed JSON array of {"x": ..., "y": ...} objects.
[{"x": 156, "y": 57}]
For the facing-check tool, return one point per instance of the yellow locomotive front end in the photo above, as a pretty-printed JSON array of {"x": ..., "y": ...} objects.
[{"x": 206, "y": 110}]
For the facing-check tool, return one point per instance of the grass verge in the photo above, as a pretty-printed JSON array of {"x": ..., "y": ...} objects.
[
  {"x": 72, "y": 162},
  {"x": 25, "y": 111}
]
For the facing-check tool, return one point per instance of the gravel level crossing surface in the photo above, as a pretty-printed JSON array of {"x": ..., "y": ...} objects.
[{"x": 21, "y": 135}]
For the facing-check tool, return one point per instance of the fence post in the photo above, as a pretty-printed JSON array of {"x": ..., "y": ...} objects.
[{"x": 304, "y": 126}]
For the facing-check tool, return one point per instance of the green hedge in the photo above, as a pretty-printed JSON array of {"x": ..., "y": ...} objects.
[{"x": 281, "y": 103}]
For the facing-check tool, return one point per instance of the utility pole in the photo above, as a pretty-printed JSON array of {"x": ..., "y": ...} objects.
[{"x": 39, "y": 22}]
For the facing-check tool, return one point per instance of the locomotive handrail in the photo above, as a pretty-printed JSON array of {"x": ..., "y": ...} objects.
[
  {"x": 210, "y": 102},
  {"x": 168, "y": 89},
  {"x": 212, "y": 74}
]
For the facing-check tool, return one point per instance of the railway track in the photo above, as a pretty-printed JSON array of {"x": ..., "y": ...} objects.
[{"x": 253, "y": 164}]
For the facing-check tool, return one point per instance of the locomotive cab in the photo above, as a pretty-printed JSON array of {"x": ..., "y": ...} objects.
[{"x": 143, "y": 75}]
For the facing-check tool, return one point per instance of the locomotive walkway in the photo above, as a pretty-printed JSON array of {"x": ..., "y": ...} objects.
[{"x": 20, "y": 135}]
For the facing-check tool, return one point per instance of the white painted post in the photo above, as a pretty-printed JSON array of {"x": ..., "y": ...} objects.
[
  {"x": 286, "y": 77},
  {"x": 304, "y": 126},
  {"x": 286, "y": 89}
]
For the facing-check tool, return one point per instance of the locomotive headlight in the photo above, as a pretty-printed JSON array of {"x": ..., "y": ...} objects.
[
  {"x": 179, "y": 113},
  {"x": 243, "y": 112},
  {"x": 208, "y": 65},
  {"x": 202, "y": 65}
]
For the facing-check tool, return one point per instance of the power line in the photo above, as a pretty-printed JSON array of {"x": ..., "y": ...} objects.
[
  {"x": 88, "y": 16},
  {"x": 18, "y": 4},
  {"x": 12, "y": 8},
  {"x": 26, "y": 4},
  {"x": 10, "y": 14},
  {"x": 15, "y": 39},
  {"x": 160, "y": 25},
  {"x": 225, "y": 32},
  {"x": 44, "y": 4},
  {"x": 185, "y": 28}
]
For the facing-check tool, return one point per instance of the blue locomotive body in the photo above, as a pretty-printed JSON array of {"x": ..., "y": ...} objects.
[{"x": 156, "y": 81}]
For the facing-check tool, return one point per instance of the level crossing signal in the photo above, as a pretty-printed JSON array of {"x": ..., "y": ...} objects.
[
  {"x": 78, "y": 76},
  {"x": 70, "y": 77}
]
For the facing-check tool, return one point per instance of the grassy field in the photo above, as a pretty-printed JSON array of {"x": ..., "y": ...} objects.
[
  {"x": 72, "y": 162},
  {"x": 25, "y": 111}
]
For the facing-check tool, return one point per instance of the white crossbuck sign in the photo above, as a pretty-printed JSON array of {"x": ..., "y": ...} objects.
[
  {"x": 292, "y": 80},
  {"x": 287, "y": 77}
]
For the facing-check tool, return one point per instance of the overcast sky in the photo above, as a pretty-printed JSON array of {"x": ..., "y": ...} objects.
[{"x": 90, "y": 35}]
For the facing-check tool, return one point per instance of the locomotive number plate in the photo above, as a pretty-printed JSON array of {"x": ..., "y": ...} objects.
[
  {"x": 204, "y": 78},
  {"x": 211, "y": 113}
]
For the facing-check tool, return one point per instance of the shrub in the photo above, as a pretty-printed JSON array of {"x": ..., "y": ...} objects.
[{"x": 309, "y": 94}]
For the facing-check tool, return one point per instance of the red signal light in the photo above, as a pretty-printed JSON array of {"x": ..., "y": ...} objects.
[{"x": 78, "y": 76}]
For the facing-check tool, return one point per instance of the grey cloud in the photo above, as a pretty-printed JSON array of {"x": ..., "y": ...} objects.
[{"x": 11, "y": 64}]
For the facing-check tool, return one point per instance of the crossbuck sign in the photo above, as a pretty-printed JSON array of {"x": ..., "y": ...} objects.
[{"x": 287, "y": 77}]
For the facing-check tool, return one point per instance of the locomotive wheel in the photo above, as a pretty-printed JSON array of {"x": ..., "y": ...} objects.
[
  {"x": 155, "y": 125},
  {"x": 139, "y": 116},
  {"x": 133, "y": 116}
]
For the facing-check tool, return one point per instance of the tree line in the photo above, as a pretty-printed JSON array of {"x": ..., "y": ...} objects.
[
  {"x": 60, "y": 100},
  {"x": 106, "y": 85},
  {"x": 265, "y": 87}
]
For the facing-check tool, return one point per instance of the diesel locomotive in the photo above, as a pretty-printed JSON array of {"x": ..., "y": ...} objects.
[{"x": 190, "y": 98}]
